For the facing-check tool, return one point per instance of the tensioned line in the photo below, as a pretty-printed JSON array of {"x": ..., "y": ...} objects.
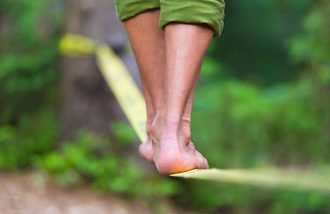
[{"x": 132, "y": 103}]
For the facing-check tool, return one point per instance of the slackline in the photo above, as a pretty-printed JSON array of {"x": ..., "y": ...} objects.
[{"x": 132, "y": 103}]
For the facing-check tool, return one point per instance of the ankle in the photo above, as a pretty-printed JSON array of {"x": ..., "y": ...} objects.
[
  {"x": 164, "y": 129},
  {"x": 149, "y": 128},
  {"x": 167, "y": 120},
  {"x": 185, "y": 132}
]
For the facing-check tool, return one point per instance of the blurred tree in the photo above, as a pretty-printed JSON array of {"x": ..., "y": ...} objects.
[{"x": 87, "y": 101}]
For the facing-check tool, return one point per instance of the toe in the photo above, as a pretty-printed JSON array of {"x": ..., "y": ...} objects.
[
  {"x": 201, "y": 162},
  {"x": 191, "y": 146},
  {"x": 146, "y": 151}
]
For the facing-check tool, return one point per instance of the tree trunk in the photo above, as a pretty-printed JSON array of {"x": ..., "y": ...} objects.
[{"x": 87, "y": 102}]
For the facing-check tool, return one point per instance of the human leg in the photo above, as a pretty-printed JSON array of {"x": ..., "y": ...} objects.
[
  {"x": 148, "y": 44},
  {"x": 189, "y": 27},
  {"x": 188, "y": 158},
  {"x": 185, "y": 48}
]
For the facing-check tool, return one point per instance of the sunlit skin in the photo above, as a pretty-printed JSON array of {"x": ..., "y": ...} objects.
[{"x": 169, "y": 62}]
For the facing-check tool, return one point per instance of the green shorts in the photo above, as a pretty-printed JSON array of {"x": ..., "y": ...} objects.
[{"x": 208, "y": 12}]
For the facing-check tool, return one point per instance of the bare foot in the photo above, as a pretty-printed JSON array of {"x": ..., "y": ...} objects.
[
  {"x": 146, "y": 150},
  {"x": 173, "y": 150}
]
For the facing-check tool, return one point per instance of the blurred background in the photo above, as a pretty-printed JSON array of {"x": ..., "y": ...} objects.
[{"x": 263, "y": 101}]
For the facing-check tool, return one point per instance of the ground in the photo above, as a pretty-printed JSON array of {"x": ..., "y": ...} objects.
[{"x": 32, "y": 193}]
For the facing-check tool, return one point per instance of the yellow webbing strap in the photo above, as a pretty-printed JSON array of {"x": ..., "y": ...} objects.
[
  {"x": 316, "y": 181},
  {"x": 124, "y": 89},
  {"x": 75, "y": 45},
  {"x": 132, "y": 103}
]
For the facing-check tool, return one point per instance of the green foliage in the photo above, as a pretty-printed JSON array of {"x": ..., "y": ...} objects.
[
  {"x": 253, "y": 45},
  {"x": 313, "y": 45},
  {"x": 248, "y": 127},
  {"x": 34, "y": 135},
  {"x": 28, "y": 55},
  {"x": 91, "y": 157},
  {"x": 28, "y": 74},
  {"x": 123, "y": 133},
  {"x": 256, "y": 127}
]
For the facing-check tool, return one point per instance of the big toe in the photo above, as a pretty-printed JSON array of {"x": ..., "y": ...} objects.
[
  {"x": 146, "y": 151},
  {"x": 200, "y": 161}
]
